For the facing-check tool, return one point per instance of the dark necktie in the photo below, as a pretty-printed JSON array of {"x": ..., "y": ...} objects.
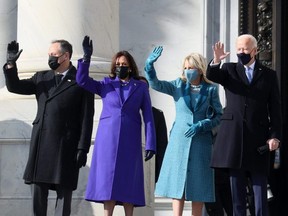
[{"x": 58, "y": 78}]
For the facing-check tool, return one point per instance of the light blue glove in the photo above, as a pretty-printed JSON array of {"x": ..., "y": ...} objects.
[
  {"x": 156, "y": 53},
  {"x": 194, "y": 129}
]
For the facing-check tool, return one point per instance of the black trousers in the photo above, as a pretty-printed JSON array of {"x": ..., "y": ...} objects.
[
  {"x": 223, "y": 197},
  {"x": 223, "y": 202},
  {"x": 40, "y": 192}
]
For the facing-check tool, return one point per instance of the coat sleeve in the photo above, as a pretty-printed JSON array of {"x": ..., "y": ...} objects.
[
  {"x": 213, "y": 121},
  {"x": 150, "y": 134},
  {"x": 87, "y": 113},
  {"x": 83, "y": 79},
  {"x": 274, "y": 106},
  {"x": 15, "y": 85},
  {"x": 217, "y": 74},
  {"x": 163, "y": 86}
]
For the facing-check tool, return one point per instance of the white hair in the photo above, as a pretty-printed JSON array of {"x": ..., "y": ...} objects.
[{"x": 250, "y": 37}]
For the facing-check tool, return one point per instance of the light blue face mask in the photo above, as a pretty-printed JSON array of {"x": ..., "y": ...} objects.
[{"x": 191, "y": 74}]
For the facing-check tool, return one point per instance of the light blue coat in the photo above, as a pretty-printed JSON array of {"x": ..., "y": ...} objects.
[{"x": 186, "y": 165}]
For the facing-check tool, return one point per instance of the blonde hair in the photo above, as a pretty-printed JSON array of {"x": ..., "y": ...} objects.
[{"x": 197, "y": 61}]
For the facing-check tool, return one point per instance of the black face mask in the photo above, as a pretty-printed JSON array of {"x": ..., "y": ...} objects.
[
  {"x": 122, "y": 72},
  {"x": 244, "y": 58},
  {"x": 53, "y": 62}
]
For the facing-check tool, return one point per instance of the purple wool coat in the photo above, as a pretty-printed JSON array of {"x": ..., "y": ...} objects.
[{"x": 116, "y": 171}]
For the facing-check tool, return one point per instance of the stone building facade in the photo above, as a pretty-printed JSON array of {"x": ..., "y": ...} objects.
[{"x": 181, "y": 27}]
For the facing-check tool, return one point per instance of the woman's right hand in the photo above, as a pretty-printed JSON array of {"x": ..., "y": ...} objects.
[
  {"x": 156, "y": 53},
  {"x": 87, "y": 49}
]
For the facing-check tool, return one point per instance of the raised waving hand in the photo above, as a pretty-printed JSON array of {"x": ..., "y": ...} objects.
[
  {"x": 13, "y": 52},
  {"x": 87, "y": 46},
  {"x": 219, "y": 53},
  {"x": 154, "y": 55}
]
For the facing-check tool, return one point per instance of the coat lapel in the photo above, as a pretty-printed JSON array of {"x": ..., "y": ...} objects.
[
  {"x": 67, "y": 81},
  {"x": 133, "y": 87},
  {"x": 49, "y": 83},
  {"x": 257, "y": 72},
  {"x": 241, "y": 73},
  {"x": 186, "y": 95},
  {"x": 116, "y": 84},
  {"x": 202, "y": 96}
]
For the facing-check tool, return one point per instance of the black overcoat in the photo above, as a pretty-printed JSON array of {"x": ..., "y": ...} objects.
[
  {"x": 161, "y": 139},
  {"x": 252, "y": 115},
  {"x": 62, "y": 126}
]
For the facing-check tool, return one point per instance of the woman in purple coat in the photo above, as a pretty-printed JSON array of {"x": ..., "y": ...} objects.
[{"x": 116, "y": 173}]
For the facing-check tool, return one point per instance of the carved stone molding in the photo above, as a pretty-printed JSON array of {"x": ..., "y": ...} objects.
[
  {"x": 264, "y": 32},
  {"x": 256, "y": 18},
  {"x": 244, "y": 17}
]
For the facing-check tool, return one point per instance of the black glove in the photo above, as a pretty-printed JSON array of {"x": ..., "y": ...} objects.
[
  {"x": 81, "y": 158},
  {"x": 87, "y": 48},
  {"x": 13, "y": 52},
  {"x": 149, "y": 154}
]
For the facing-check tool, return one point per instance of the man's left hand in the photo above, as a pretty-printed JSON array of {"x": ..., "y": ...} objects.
[
  {"x": 81, "y": 158},
  {"x": 273, "y": 144}
]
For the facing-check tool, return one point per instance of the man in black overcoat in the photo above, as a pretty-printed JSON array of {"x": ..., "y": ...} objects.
[
  {"x": 161, "y": 135},
  {"x": 61, "y": 134},
  {"x": 161, "y": 139},
  {"x": 252, "y": 119}
]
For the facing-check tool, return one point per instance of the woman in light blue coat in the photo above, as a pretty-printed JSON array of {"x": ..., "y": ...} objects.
[{"x": 185, "y": 173}]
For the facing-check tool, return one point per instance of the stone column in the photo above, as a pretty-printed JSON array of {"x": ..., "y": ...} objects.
[
  {"x": 34, "y": 26},
  {"x": 8, "y": 23},
  {"x": 40, "y": 22}
]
